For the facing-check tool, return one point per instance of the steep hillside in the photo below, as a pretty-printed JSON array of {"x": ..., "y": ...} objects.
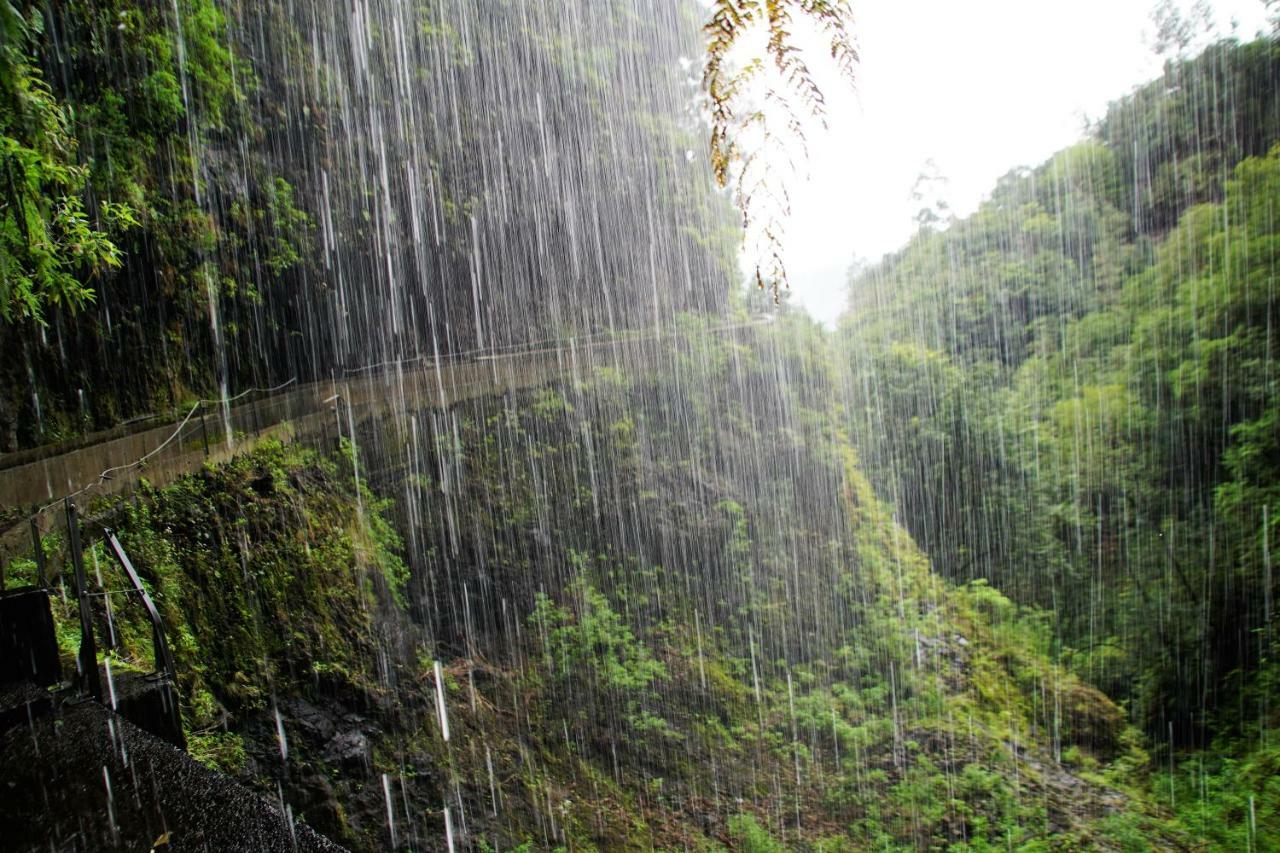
[
  {"x": 667, "y": 611},
  {"x": 1072, "y": 394}
]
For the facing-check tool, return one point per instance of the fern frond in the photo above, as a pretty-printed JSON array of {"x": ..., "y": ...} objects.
[{"x": 759, "y": 184}]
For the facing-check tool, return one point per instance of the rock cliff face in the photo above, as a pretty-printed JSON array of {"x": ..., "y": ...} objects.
[{"x": 662, "y": 610}]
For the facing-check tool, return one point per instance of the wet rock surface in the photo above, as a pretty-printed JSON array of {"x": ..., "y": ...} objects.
[
  {"x": 329, "y": 779},
  {"x": 86, "y": 779},
  {"x": 349, "y": 750}
]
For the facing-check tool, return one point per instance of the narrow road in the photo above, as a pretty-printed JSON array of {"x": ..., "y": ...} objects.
[{"x": 114, "y": 462}]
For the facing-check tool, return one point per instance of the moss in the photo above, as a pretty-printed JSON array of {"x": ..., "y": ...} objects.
[
  {"x": 265, "y": 573},
  {"x": 218, "y": 750}
]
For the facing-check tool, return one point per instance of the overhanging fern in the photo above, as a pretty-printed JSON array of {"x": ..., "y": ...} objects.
[{"x": 755, "y": 108}]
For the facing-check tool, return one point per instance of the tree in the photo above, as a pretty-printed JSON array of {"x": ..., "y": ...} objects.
[
  {"x": 1177, "y": 30},
  {"x": 48, "y": 246},
  {"x": 929, "y": 193}
]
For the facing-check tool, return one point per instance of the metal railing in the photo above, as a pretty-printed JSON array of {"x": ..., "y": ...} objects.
[{"x": 88, "y": 678}]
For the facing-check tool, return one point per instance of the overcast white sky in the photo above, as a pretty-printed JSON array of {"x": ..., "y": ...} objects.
[{"x": 980, "y": 87}]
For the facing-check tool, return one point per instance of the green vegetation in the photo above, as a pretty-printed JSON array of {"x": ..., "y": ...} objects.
[
  {"x": 275, "y": 585},
  {"x": 595, "y": 638},
  {"x": 994, "y": 572},
  {"x": 49, "y": 246},
  {"x": 782, "y": 672},
  {"x": 111, "y": 211},
  {"x": 749, "y": 836},
  {"x": 188, "y": 211},
  {"x": 1072, "y": 394}
]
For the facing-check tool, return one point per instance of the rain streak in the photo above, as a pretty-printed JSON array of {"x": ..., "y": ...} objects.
[{"x": 402, "y": 448}]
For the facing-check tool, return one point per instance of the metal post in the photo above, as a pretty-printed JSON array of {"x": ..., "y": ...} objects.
[
  {"x": 38, "y": 549},
  {"x": 337, "y": 417},
  {"x": 163, "y": 658},
  {"x": 204, "y": 430},
  {"x": 166, "y": 671},
  {"x": 88, "y": 657}
]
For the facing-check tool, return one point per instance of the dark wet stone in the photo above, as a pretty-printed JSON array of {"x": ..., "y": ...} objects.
[
  {"x": 349, "y": 750},
  {"x": 313, "y": 722},
  {"x": 56, "y": 773}
]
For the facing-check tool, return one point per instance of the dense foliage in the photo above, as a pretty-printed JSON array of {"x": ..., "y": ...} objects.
[
  {"x": 1073, "y": 394},
  {"x": 218, "y": 196},
  {"x": 49, "y": 247},
  {"x": 658, "y": 603}
]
